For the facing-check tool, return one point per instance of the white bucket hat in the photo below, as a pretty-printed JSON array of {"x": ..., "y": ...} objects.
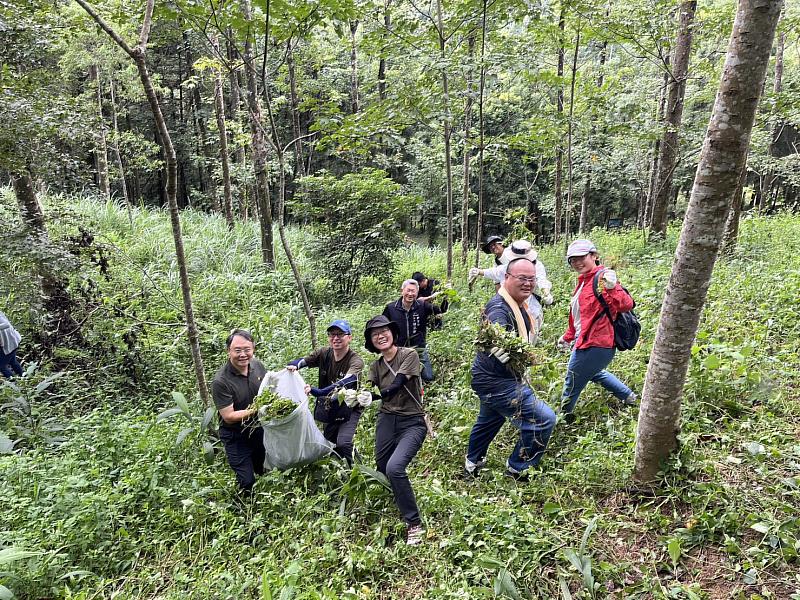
[
  {"x": 580, "y": 248},
  {"x": 518, "y": 249}
]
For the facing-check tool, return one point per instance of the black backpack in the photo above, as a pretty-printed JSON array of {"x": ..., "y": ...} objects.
[{"x": 626, "y": 328}]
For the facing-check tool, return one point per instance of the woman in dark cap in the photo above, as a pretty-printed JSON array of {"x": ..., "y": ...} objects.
[{"x": 400, "y": 429}]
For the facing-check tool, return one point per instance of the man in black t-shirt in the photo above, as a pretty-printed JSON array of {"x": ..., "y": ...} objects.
[
  {"x": 235, "y": 385},
  {"x": 339, "y": 368}
]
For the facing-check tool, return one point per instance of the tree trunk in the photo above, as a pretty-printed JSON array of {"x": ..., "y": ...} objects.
[
  {"x": 467, "y": 142},
  {"x": 481, "y": 90},
  {"x": 101, "y": 147},
  {"x": 674, "y": 113},
  {"x": 387, "y": 25},
  {"x": 235, "y": 100},
  {"x": 259, "y": 149},
  {"x": 354, "y": 99},
  {"x": 117, "y": 156},
  {"x": 557, "y": 212},
  {"x": 219, "y": 109},
  {"x": 299, "y": 164},
  {"x": 647, "y": 213},
  {"x": 718, "y": 174},
  {"x": 447, "y": 133},
  {"x": 137, "y": 53},
  {"x": 574, "y": 71},
  {"x": 731, "y": 233}
]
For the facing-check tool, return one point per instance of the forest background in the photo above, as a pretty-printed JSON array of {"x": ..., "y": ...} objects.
[{"x": 359, "y": 128}]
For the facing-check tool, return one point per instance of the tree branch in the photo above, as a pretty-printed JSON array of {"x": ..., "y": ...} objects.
[{"x": 107, "y": 28}]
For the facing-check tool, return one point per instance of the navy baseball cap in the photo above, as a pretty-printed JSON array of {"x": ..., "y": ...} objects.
[{"x": 340, "y": 324}]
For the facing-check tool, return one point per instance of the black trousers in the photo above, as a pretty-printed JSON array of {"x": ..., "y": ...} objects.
[
  {"x": 342, "y": 433},
  {"x": 245, "y": 452},
  {"x": 397, "y": 441}
]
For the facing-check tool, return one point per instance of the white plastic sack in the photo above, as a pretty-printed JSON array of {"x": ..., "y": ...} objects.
[{"x": 295, "y": 439}]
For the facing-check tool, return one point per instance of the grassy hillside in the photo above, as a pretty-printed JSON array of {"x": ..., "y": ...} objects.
[{"x": 117, "y": 509}]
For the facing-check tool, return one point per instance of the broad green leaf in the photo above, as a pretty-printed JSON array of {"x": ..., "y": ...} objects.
[
  {"x": 180, "y": 400},
  {"x": 9, "y": 555},
  {"x": 208, "y": 452},
  {"x": 760, "y": 527},
  {"x": 551, "y": 508},
  {"x": 712, "y": 362},
  {"x": 183, "y": 435},
  {"x": 374, "y": 475},
  {"x": 6, "y": 444},
  {"x": 5, "y": 593},
  {"x": 207, "y": 417},
  {"x": 674, "y": 549},
  {"x": 170, "y": 412}
]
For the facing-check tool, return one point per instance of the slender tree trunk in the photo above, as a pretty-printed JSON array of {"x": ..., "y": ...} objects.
[
  {"x": 259, "y": 149},
  {"x": 481, "y": 91},
  {"x": 447, "y": 134},
  {"x": 101, "y": 147},
  {"x": 299, "y": 161},
  {"x": 558, "y": 210},
  {"x": 674, "y": 113},
  {"x": 243, "y": 187},
  {"x": 777, "y": 86},
  {"x": 467, "y": 150},
  {"x": 219, "y": 109},
  {"x": 574, "y": 71},
  {"x": 137, "y": 53},
  {"x": 387, "y": 25},
  {"x": 647, "y": 216},
  {"x": 718, "y": 174},
  {"x": 354, "y": 96},
  {"x": 731, "y": 234},
  {"x": 117, "y": 156}
]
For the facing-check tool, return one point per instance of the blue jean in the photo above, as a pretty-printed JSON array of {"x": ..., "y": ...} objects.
[
  {"x": 534, "y": 419},
  {"x": 9, "y": 364},
  {"x": 588, "y": 365},
  {"x": 397, "y": 440},
  {"x": 427, "y": 367}
]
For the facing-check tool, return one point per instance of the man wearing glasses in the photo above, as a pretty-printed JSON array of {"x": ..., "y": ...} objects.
[
  {"x": 503, "y": 392},
  {"x": 339, "y": 368},
  {"x": 235, "y": 385}
]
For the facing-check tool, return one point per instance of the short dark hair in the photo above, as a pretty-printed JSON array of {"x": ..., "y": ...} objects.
[
  {"x": 418, "y": 276},
  {"x": 242, "y": 333}
]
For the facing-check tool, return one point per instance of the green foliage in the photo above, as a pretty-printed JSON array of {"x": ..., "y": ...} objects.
[{"x": 355, "y": 219}]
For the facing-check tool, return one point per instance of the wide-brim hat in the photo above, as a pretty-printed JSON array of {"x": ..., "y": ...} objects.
[
  {"x": 518, "y": 249},
  {"x": 489, "y": 241},
  {"x": 377, "y": 323}
]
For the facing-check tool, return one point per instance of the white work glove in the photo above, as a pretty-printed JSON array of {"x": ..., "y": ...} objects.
[
  {"x": 350, "y": 397},
  {"x": 563, "y": 345},
  {"x": 609, "y": 279},
  {"x": 448, "y": 285},
  {"x": 499, "y": 354},
  {"x": 474, "y": 272},
  {"x": 364, "y": 398},
  {"x": 547, "y": 297}
]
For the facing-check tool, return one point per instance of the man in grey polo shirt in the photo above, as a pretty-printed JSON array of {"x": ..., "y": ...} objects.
[{"x": 235, "y": 385}]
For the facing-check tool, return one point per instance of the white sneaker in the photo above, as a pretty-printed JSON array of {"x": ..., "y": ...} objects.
[{"x": 414, "y": 535}]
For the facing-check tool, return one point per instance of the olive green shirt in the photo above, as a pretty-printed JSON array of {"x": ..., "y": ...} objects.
[
  {"x": 331, "y": 370},
  {"x": 402, "y": 402}
]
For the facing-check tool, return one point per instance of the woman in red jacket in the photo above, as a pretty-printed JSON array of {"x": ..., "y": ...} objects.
[{"x": 590, "y": 332}]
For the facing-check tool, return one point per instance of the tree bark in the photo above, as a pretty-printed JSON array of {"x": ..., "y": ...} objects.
[
  {"x": 101, "y": 146},
  {"x": 481, "y": 90},
  {"x": 299, "y": 164},
  {"x": 718, "y": 174},
  {"x": 387, "y": 25},
  {"x": 259, "y": 149},
  {"x": 447, "y": 134},
  {"x": 560, "y": 110},
  {"x": 674, "y": 113},
  {"x": 137, "y": 53},
  {"x": 354, "y": 96},
  {"x": 235, "y": 103},
  {"x": 574, "y": 71},
  {"x": 647, "y": 215},
  {"x": 467, "y": 143},
  {"x": 219, "y": 109},
  {"x": 731, "y": 234}
]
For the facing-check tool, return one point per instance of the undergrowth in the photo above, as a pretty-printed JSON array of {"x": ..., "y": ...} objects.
[{"x": 117, "y": 509}]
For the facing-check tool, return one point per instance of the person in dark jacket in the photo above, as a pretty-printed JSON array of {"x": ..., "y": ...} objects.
[
  {"x": 590, "y": 333},
  {"x": 235, "y": 385},
  {"x": 339, "y": 368},
  {"x": 428, "y": 293},
  {"x": 400, "y": 429},
  {"x": 412, "y": 317}
]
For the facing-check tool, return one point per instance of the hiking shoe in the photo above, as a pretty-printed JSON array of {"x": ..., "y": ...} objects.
[
  {"x": 517, "y": 476},
  {"x": 569, "y": 418},
  {"x": 476, "y": 467},
  {"x": 631, "y": 400},
  {"x": 414, "y": 535}
]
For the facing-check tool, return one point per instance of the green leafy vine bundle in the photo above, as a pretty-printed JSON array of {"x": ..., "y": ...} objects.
[{"x": 522, "y": 355}]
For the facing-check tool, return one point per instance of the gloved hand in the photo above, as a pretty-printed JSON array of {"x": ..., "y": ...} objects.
[
  {"x": 500, "y": 354},
  {"x": 609, "y": 278},
  {"x": 364, "y": 398},
  {"x": 563, "y": 345},
  {"x": 306, "y": 389},
  {"x": 350, "y": 397},
  {"x": 474, "y": 272},
  {"x": 547, "y": 297},
  {"x": 448, "y": 285},
  {"x": 291, "y": 368}
]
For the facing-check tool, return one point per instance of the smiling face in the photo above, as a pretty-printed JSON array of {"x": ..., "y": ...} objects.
[
  {"x": 497, "y": 249},
  {"x": 338, "y": 339},
  {"x": 520, "y": 279},
  {"x": 583, "y": 264},
  {"x": 410, "y": 292},
  {"x": 240, "y": 352},
  {"x": 381, "y": 338}
]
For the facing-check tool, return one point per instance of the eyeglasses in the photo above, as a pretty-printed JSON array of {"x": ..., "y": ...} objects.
[
  {"x": 238, "y": 351},
  {"x": 379, "y": 332},
  {"x": 337, "y": 334},
  {"x": 572, "y": 259},
  {"x": 522, "y": 278}
]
